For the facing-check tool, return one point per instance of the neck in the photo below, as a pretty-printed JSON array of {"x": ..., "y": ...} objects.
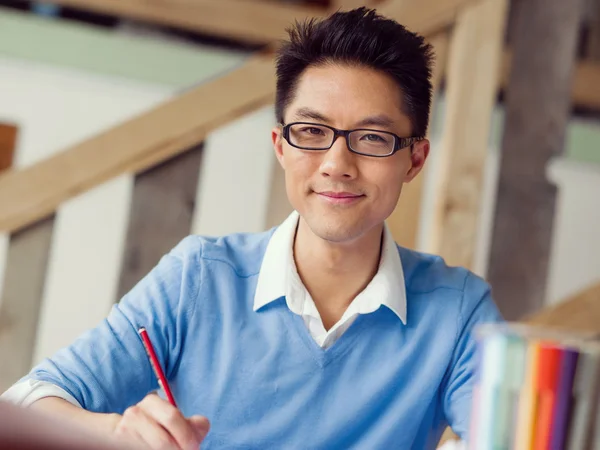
[{"x": 335, "y": 273}]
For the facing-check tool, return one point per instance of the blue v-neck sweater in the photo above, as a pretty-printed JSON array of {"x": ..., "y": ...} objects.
[{"x": 258, "y": 375}]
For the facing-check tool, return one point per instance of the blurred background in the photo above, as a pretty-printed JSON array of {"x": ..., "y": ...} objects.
[{"x": 126, "y": 125}]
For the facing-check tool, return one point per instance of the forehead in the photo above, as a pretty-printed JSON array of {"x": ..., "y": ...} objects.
[{"x": 347, "y": 94}]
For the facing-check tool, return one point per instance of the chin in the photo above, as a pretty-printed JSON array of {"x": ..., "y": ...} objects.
[{"x": 335, "y": 230}]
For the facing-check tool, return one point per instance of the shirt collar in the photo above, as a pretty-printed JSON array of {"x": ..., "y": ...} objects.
[{"x": 387, "y": 287}]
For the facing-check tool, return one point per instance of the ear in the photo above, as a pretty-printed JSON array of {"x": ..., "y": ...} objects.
[
  {"x": 277, "y": 138},
  {"x": 418, "y": 155}
]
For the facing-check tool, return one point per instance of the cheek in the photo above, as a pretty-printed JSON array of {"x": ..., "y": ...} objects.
[
  {"x": 391, "y": 186},
  {"x": 299, "y": 172},
  {"x": 387, "y": 184},
  {"x": 300, "y": 168}
]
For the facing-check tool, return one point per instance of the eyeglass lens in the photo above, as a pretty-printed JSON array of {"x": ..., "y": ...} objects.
[{"x": 317, "y": 137}]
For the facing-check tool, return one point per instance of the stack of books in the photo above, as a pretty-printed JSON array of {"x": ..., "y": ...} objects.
[{"x": 535, "y": 390}]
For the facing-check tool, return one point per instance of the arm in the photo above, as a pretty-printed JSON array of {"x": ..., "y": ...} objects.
[
  {"x": 104, "y": 424},
  {"x": 106, "y": 370},
  {"x": 477, "y": 308},
  {"x": 152, "y": 423},
  {"x": 101, "y": 381}
]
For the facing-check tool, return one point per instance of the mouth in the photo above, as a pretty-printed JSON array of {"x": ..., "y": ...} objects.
[{"x": 340, "y": 198}]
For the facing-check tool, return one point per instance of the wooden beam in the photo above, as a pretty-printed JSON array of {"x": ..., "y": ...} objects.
[
  {"x": 586, "y": 89},
  {"x": 161, "y": 214},
  {"x": 405, "y": 221},
  {"x": 538, "y": 109},
  {"x": 427, "y": 17},
  {"x": 346, "y": 5},
  {"x": 32, "y": 193},
  {"x": 8, "y": 134},
  {"x": 580, "y": 313},
  {"x": 8, "y": 140},
  {"x": 474, "y": 62},
  {"x": 255, "y": 21},
  {"x": 262, "y": 21},
  {"x": 21, "y": 298},
  {"x": 472, "y": 85}
]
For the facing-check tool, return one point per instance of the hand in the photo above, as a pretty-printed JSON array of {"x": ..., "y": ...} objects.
[{"x": 156, "y": 424}]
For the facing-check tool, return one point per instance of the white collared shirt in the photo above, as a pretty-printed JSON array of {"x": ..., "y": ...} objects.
[{"x": 278, "y": 277}]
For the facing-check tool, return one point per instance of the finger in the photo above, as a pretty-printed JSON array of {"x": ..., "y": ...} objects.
[
  {"x": 172, "y": 420},
  {"x": 201, "y": 425},
  {"x": 143, "y": 428},
  {"x": 135, "y": 438}
]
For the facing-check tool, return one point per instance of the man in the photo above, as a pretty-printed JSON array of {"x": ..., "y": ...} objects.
[{"x": 322, "y": 333}]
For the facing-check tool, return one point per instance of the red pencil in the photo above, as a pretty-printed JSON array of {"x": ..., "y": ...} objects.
[{"x": 162, "y": 379}]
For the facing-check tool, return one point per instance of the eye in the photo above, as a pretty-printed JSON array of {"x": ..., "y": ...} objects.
[
  {"x": 373, "y": 138},
  {"x": 312, "y": 130}
]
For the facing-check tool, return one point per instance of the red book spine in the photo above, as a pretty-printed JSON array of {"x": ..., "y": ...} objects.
[{"x": 546, "y": 386}]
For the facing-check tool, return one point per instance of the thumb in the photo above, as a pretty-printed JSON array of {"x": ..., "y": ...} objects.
[{"x": 201, "y": 425}]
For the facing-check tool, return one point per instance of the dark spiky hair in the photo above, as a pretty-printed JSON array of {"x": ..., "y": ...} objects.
[{"x": 363, "y": 38}]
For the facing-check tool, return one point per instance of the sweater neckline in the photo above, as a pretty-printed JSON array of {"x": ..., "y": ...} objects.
[{"x": 324, "y": 356}]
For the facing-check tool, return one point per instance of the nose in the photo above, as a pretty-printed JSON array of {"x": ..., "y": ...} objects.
[{"x": 339, "y": 162}]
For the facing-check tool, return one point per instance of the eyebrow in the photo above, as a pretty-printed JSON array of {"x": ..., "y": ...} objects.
[
  {"x": 307, "y": 113},
  {"x": 380, "y": 120}
]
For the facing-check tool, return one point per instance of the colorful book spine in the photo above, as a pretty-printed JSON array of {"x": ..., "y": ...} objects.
[
  {"x": 596, "y": 439},
  {"x": 548, "y": 374},
  {"x": 491, "y": 406},
  {"x": 528, "y": 401},
  {"x": 586, "y": 379},
  {"x": 535, "y": 390},
  {"x": 512, "y": 380},
  {"x": 560, "y": 420}
]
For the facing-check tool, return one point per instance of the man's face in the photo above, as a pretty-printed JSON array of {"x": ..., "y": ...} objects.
[{"x": 342, "y": 195}]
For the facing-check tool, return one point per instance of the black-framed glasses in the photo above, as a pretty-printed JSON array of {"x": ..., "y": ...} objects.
[{"x": 363, "y": 141}]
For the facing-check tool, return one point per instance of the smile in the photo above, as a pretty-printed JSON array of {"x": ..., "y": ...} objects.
[{"x": 340, "y": 198}]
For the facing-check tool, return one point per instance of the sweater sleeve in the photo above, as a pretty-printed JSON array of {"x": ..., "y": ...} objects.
[
  {"x": 107, "y": 369},
  {"x": 477, "y": 308},
  {"x": 26, "y": 392}
]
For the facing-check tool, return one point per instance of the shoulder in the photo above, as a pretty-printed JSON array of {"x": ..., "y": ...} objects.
[
  {"x": 430, "y": 274},
  {"x": 425, "y": 272},
  {"x": 242, "y": 252}
]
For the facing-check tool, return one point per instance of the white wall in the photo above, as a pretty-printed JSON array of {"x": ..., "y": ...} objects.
[
  {"x": 575, "y": 259},
  {"x": 237, "y": 165}
]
